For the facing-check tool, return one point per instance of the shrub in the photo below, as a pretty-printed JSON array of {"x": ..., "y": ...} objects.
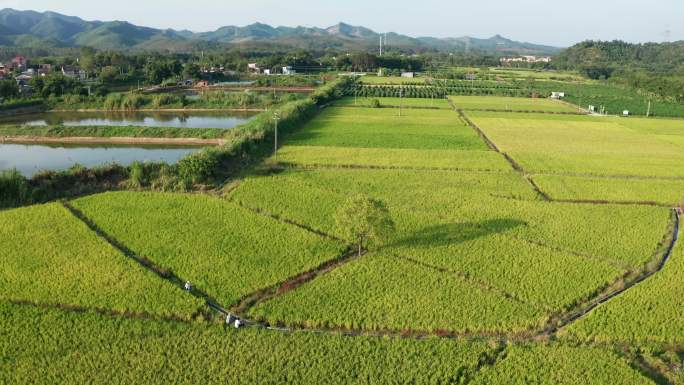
[
  {"x": 199, "y": 167},
  {"x": 13, "y": 188},
  {"x": 113, "y": 102},
  {"x": 136, "y": 175},
  {"x": 166, "y": 179},
  {"x": 132, "y": 102},
  {"x": 164, "y": 100}
]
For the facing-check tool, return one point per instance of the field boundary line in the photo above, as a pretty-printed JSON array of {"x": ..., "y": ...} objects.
[
  {"x": 100, "y": 311},
  {"x": 667, "y": 245},
  {"x": 160, "y": 271},
  {"x": 513, "y": 163},
  {"x": 242, "y": 306},
  {"x": 606, "y": 176},
  {"x": 524, "y": 111},
  {"x": 487, "y": 359},
  {"x": 613, "y": 262},
  {"x": 278, "y": 218},
  {"x": 482, "y": 284},
  {"x": 587, "y": 202},
  {"x": 295, "y": 165}
]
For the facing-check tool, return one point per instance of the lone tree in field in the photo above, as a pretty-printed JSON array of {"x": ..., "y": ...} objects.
[{"x": 362, "y": 219}]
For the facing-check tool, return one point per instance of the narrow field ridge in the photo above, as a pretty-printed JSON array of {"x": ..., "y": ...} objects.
[
  {"x": 144, "y": 262},
  {"x": 670, "y": 240}
]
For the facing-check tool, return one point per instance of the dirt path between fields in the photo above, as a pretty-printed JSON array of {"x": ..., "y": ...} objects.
[
  {"x": 160, "y": 271},
  {"x": 111, "y": 140},
  {"x": 670, "y": 241},
  {"x": 515, "y": 165}
]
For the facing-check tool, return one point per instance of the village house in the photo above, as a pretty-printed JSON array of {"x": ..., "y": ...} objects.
[
  {"x": 44, "y": 69},
  {"x": 27, "y": 75},
  {"x": 288, "y": 71},
  {"x": 409, "y": 75},
  {"x": 254, "y": 67},
  {"x": 19, "y": 63},
  {"x": 74, "y": 72}
]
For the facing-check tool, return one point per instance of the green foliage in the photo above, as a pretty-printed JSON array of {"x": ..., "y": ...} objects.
[
  {"x": 192, "y": 71},
  {"x": 14, "y": 189},
  {"x": 132, "y": 102},
  {"x": 157, "y": 70},
  {"x": 113, "y": 101},
  {"x": 200, "y": 167},
  {"x": 8, "y": 89},
  {"x": 49, "y": 257},
  {"x": 364, "y": 219},
  {"x": 222, "y": 99},
  {"x": 137, "y": 174},
  {"x": 55, "y": 85},
  {"x": 159, "y": 101},
  {"x": 235, "y": 253},
  {"x": 393, "y": 102},
  {"x": 288, "y": 81},
  {"x": 20, "y": 103}
]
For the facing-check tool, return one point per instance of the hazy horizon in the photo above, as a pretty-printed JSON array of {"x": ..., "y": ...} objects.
[{"x": 533, "y": 21}]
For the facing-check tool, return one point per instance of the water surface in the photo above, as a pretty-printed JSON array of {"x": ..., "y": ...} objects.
[
  {"x": 214, "y": 119},
  {"x": 30, "y": 159}
]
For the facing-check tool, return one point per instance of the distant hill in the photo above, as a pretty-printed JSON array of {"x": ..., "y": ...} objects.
[
  {"x": 50, "y": 29},
  {"x": 658, "y": 57}
]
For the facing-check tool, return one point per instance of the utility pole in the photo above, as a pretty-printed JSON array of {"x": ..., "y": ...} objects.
[
  {"x": 276, "y": 118},
  {"x": 579, "y": 106},
  {"x": 401, "y": 99},
  {"x": 380, "y": 45},
  {"x": 648, "y": 112}
]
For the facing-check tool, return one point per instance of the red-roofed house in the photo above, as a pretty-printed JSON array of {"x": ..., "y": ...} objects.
[{"x": 19, "y": 62}]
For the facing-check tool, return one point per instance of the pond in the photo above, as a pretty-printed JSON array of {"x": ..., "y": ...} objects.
[
  {"x": 222, "y": 119},
  {"x": 30, "y": 159}
]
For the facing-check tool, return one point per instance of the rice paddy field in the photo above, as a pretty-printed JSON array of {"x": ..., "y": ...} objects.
[
  {"x": 501, "y": 103},
  {"x": 527, "y": 248}
]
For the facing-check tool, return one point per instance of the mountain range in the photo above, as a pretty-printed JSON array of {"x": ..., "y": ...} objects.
[{"x": 50, "y": 29}]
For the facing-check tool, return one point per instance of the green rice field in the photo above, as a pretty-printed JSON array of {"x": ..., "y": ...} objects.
[
  {"x": 511, "y": 104},
  {"x": 525, "y": 248}
]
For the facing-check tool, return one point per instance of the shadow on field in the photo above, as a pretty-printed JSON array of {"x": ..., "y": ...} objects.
[{"x": 454, "y": 233}]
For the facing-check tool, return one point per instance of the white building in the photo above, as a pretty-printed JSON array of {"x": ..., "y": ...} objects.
[
  {"x": 410, "y": 75},
  {"x": 288, "y": 71}
]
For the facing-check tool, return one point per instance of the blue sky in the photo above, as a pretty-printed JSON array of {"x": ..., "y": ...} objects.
[{"x": 559, "y": 23}]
